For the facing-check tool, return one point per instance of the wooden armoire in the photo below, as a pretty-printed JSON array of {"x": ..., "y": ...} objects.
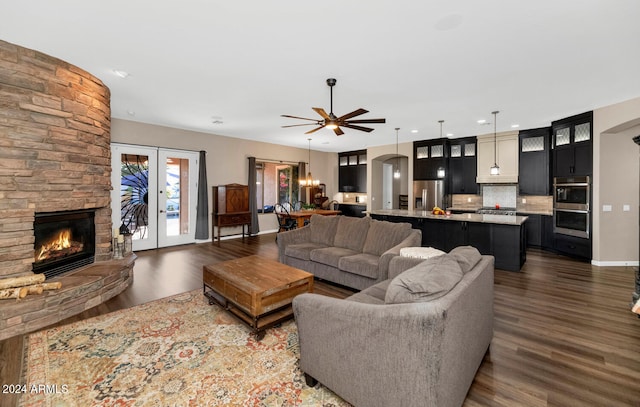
[{"x": 230, "y": 208}]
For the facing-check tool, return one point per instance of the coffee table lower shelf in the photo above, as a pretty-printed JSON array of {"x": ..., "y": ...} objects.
[{"x": 259, "y": 324}]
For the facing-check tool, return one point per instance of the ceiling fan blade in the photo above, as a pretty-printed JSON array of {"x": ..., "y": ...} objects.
[
  {"x": 353, "y": 114},
  {"x": 351, "y": 126},
  {"x": 296, "y": 117},
  {"x": 322, "y": 113},
  {"x": 314, "y": 130},
  {"x": 367, "y": 121},
  {"x": 306, "y": 124},
  {"x": 338, "y": 131}
]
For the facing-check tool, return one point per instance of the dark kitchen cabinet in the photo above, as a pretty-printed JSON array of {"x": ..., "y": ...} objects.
[
  {"x": 547, "y": 232},
  {"x": 356, "y": 211},
  {"x": 506, "y": 242},
  {"x": 433, "y": 232},
  {"x": 572, "y": 145},
  {"x": 573, "y": 246},
  {"x": 463, "y": 166},
  {"x": 508, "y": 246},
  {"x": 430, "y": 156},
  {"x": 473, "y": 234},
  {"x": 446, "y": 235},
  {"x": 533, "y": 229},
  {"x": 352, "y": 171},
  {"x": 534, "y": 161}
]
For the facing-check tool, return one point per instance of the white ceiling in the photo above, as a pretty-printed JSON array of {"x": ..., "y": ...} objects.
[{"x": 244, "y": 63}]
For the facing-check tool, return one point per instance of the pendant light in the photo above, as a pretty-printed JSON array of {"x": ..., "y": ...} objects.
[
  {"x": 309, "y": 181},
  {"x": 495, "y": 170},
  {"x": 396, "y": 173},
  {"x": 441, "y": 171}
]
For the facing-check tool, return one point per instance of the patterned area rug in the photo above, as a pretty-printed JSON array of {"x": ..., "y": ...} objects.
[{"x": 177, "y": 351}]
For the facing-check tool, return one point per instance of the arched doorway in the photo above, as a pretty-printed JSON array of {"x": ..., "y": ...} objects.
[{"x": 385, "y": 188}]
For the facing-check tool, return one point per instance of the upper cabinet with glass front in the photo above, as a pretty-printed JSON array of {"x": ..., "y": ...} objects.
[
  {"x": 462, "y": 166},
  {"x": 572, "y": 145},
  {"x": 352, "y": 171},
  {"x": 534, "y": 175},
  {"x": 430, "y": 159}
]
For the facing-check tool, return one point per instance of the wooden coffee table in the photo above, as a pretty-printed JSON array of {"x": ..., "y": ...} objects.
[{"x": 257, "y": 290}]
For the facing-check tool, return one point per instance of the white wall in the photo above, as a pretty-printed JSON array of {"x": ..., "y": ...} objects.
[{"x": 615, "y": 183}]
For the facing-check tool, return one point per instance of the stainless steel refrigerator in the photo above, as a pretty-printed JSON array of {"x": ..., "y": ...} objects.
[{"x": 428, "y": 194}]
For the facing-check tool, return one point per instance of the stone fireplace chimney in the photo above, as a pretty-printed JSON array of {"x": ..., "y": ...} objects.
[
  {"x": 55, "y": 136},
  {"x": 55, "y": 121}
]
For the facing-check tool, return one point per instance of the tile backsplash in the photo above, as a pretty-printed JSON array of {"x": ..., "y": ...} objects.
[{"x": 503, "y": 195}]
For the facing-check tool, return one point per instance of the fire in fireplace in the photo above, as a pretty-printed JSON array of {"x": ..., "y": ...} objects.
[{"x": 64, "y": 241}]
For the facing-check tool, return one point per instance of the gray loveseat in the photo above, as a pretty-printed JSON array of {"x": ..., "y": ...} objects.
[
  {"x": 416, "y": 339},
  {"x": 354, "y": 252}
]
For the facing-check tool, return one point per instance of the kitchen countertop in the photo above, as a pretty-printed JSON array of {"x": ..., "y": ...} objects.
[
  {"x": 353, "y": 203},
  {"x": 465, "y": 217},
  {"x": 523, "y": 211}
]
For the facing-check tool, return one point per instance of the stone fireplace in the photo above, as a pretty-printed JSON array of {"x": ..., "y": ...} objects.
[
  {"x": 55, "y": 137},
  {"x": 64, "y": 241}
]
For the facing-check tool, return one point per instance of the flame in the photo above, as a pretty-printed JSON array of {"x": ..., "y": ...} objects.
[{"x": 60, "y": 242}]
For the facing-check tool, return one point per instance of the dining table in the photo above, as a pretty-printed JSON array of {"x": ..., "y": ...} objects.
[{"x": 302, "y": 215}]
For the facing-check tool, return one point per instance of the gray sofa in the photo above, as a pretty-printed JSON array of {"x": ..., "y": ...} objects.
[
  {"x": 354, "y": 252},
  {"x": 416, "y": 339}
]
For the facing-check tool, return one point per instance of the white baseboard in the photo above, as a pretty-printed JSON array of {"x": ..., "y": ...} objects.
[{"x": 623, "y": 263}]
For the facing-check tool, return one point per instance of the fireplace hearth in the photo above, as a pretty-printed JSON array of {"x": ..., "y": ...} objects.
[{"x": 64, "y": 241}]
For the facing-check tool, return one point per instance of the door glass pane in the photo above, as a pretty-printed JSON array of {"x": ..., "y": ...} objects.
[
  {"x": 177, "y": 192},
  {"x": 284, "y": 184},
  {"x": 134, "y": 194}
]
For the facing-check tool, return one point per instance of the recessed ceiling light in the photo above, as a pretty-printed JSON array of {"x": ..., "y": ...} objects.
[
  {"x": 482, "y": 121},
  {"x": 515, "y": 126},
  {"x": 449, "y": 134},
  {"x": 217, "y": 121},
  {"x": 122, "y": 74},
  {"x": 414, "y": 131}
]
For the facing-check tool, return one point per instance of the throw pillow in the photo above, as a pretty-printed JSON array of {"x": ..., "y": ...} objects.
[
  {"x": 382, "y": 236},
  {"x": 429, "y": 280},
  {"x": 323, "y": 229},
  {"x": 466, "y": 256},
  {"x": 351, "y": 232}
]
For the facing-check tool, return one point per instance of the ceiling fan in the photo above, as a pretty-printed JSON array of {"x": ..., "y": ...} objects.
[{"x": 334, "y": 123}]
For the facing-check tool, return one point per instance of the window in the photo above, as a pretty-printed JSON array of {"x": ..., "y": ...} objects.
[{"x": 276, "y": 183}]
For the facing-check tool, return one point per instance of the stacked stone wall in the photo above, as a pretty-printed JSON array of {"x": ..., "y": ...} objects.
[{"x": 55, "y": 122}]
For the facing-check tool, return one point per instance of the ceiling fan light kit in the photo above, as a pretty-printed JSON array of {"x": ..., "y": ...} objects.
[{"x": 331, "y": 121}]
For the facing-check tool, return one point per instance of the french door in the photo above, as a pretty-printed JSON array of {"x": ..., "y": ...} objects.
[{"x": 156, "y": 191}]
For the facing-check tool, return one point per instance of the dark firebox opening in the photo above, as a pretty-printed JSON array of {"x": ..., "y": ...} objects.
[{"x": 64, "y": 241}]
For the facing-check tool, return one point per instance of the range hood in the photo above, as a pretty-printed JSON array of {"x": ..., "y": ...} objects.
[{"x": 504, "y": 152}]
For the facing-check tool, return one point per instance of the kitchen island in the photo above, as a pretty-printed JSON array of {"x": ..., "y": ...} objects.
[{"x": 501, "y": 236}]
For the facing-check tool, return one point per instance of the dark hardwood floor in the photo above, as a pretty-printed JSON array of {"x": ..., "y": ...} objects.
[{"x": 564, "y": 334}]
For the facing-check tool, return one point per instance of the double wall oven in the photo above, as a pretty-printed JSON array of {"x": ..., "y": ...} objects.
[{"x": 571, "y": 210}]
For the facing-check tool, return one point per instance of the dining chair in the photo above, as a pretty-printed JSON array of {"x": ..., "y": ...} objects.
[{"x": 285, "y": 221}]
